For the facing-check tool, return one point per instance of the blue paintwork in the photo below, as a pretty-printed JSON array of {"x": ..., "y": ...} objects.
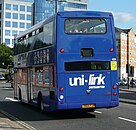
[
  {"x": 80, "y": 90},
  {"x": 101, "y": 43}
]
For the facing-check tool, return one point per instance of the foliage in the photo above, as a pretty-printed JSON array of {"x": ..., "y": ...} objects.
[{"x": 6, "y": 55}]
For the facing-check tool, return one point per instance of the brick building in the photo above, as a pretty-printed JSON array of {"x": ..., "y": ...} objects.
[{"x": 126, "y": 45}]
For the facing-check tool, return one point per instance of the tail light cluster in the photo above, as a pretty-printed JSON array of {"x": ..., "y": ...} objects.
[
  {"x": 61, "y": 89},
  {"x": 114, "y": 88},
  {"x": 62, "y": 50},
  {"x": 61, "y": 97},
  {"x": 111, "y": 50}
]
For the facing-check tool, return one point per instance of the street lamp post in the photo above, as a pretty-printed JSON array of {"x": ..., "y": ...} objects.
[
  {"x": 128, "y": 65},
  {"x": 56, "y": 6}
]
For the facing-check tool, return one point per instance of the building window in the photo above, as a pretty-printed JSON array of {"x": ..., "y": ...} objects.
[
  {"x": 28, "y": 17},
  {"x": 15, "y": 7},
  {"x": 0, "y": 15},
  {"x": 7, "y": 24},
  {"x": 28, "y": 25},
  {"x": 22, "y": 8},
  {"x": 7, "y": 41},
  {"x": 14, "y": 32},
  {"x": 7, "y": 32},
  {"x": 21, "y": 32},
  {"x": 8, "y": 15},
  {"x": 73, "y": 5},
  {"x": 0, "y": 6},
  {"x": 22, "y": 16},
  {"x": 12, "y": 41},
  {"x": 15, "y": 16},
  {"x": 15, "y": 24},
  {"x": 8, "y": 6},
  {"x": 22, "y": 25},
  {"x": 29, "y": 9}
]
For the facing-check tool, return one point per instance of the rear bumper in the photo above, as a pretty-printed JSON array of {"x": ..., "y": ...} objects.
[{"x": 79, "y": 105}]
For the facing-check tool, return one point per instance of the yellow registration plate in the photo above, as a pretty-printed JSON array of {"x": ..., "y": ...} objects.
[{"x": 88, "y": 106}]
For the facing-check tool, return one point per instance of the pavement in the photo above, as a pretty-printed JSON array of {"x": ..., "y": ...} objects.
[
  {"x": 127, "y": 94},
  {"x": 8, "y": 122}
]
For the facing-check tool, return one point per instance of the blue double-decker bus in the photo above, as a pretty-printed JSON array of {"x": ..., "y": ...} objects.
[{"x": 68, "y": 61}]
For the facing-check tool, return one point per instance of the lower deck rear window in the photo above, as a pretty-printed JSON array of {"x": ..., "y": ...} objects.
[{"x": 87, "y": 65}]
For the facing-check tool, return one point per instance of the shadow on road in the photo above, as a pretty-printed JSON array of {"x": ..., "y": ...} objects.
[{"x": 25, "y": 112}]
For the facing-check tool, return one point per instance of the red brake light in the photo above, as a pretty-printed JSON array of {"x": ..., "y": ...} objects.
[
  {"x": 114, "y": 94},
  {"x": 61, "y": 89},
  {"x": 111, "y": 50},
  {"x": 109, "y": 93},
  {"x": 62, "y": 50},
  {"x": 61, "y": 102},
  {"x": 114, "y": 87}
]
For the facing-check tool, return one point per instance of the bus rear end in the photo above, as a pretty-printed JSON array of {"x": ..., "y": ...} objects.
[{"x": 86, "y": 61}]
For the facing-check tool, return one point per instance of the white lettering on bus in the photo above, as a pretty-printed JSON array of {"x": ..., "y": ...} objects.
[
  {"x": 77, "y": 80},
  {"x": 96, "y": 87},
  {"x": 92, "y": 80}
]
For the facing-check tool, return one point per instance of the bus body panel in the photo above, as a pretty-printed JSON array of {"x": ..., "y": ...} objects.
[
  {"x": 72, "y": 44},
  {"x": 60, "y": 72},
  {"x": 86, "y": 87}
]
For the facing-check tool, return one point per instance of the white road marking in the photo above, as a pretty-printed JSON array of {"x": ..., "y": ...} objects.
[
  {"x": 12, "y": 99},
  {"x": 3, "y": 82},
  {"x": 125, "y": 119},
  {"x": 98, "y": 112},
  {"x": 4, "y": 88},
  {"x": 25, "y": 125}
]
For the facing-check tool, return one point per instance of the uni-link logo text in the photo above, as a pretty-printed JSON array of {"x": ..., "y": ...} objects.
[{"x": 92, "y": 80}]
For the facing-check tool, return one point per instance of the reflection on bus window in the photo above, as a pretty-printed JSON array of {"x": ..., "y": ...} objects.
[
  {"x": 39, "y": 71},
  {"x": 46, "y": 74},
  {"x": 32, "y": 76},
  {"x": 83, "y": 26}
]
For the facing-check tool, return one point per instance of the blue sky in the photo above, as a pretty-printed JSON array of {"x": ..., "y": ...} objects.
[{"x": 124, "y": 11}]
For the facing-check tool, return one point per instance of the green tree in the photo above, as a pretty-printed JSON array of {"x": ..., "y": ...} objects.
[{"x": 6, "y": 55}]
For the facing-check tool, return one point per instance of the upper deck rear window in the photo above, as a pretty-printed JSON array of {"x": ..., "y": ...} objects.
[{"x": 85, "y": 26}]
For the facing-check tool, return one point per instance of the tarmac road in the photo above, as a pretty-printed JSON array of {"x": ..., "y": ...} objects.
[{"x": 27, "y": 117}]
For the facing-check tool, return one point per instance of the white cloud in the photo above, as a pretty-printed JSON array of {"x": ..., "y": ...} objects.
[{"x": 122, "y": 17}]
